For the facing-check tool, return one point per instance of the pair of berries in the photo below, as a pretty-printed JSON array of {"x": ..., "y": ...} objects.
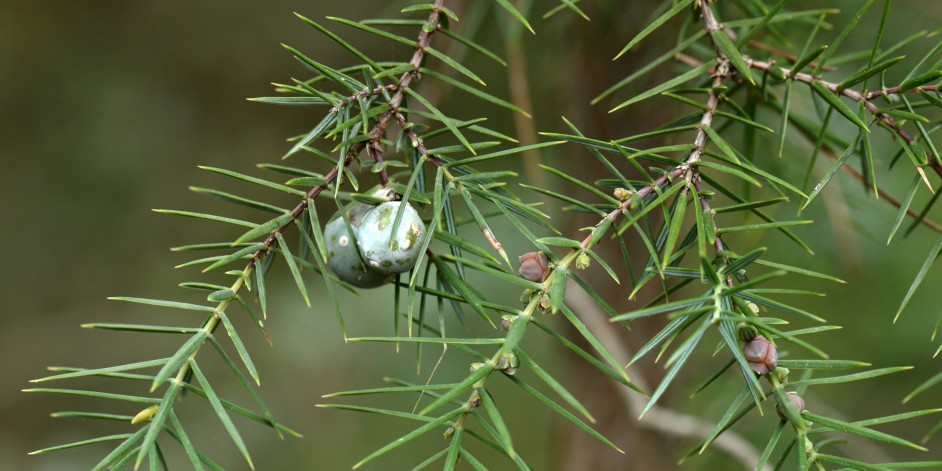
[{"x": 362, "y": 248}]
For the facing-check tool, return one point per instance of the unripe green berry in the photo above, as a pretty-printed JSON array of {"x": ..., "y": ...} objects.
[
  {"x": 343, "y": 255},
  {"x": 384, "y": 251}
]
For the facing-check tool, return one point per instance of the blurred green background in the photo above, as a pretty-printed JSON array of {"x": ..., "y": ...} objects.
[{"x": 107, "y": 107}]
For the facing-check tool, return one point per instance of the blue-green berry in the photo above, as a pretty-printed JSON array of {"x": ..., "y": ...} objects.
[
  {"x": 343, "y": 255},
  {"x": 384, "y": 251}
]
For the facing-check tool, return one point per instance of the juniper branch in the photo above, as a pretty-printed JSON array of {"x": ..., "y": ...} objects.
[
  {"x": 896, "y": 90},
  {"x": 416, "y": 140},
  {"x": 864, "y": 98},
  {"x": 805, "y": 450},
  {"x": 425, "y": 39},
  {"x": 687, "y": 171},
  {"x": 362, "y": 94},
  {"x": 667, "y": 421},
  {"x": 377, "y": 131},
  {"x": 520, "y": 321},
  {"x": 884, "y": 195},
  {"x": 721, "y": 74},
  {"x": 684, "y": 175},
  {"x": 785, "y": 54}
]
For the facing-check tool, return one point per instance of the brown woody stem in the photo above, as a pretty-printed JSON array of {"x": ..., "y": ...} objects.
[{"x": 864, "y": 98}]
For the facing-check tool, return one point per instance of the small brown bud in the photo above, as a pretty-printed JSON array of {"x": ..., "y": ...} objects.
[
  {"x": 761, "y": 355},
  {"x": 796, "y": 401},
  {"x": 475, "y": 400},
  {"x": 533, "y": 267},
  {"x": 506, "y": 321}
]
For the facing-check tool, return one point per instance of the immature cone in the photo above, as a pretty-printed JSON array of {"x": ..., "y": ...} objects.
[
  {"x": 761, "y": 355},
  {"x": 797, "y": 402},
  {"x": 533, "y": 267}
]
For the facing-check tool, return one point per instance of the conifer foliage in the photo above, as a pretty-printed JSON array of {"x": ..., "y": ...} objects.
[{"x": 404, "y": 176}]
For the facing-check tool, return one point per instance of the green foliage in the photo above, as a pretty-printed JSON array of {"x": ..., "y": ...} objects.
[{"x": 682, "y": 203}]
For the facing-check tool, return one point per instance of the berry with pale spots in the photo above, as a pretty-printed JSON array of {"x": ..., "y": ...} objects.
[
  {"x": 343, "y": 255},
  {"x": 384, "y": 251}
]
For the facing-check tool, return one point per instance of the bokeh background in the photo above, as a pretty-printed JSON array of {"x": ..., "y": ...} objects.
[{"x": 107, "y": 107}]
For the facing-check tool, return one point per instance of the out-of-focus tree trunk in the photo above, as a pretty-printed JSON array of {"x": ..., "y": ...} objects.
[{"x": 587, "y": 75}]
